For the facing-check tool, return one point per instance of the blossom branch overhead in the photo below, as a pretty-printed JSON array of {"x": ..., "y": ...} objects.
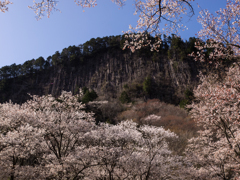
[
  {"x": 44, "y": 7},
  {"x": 223, "y": 27},
  {"x": 155, "y": 16},
  {"x": 4, "y": 5}
]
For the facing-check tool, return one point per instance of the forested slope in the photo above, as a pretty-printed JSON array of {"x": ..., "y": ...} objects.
[{"x": 101, "y": 64}]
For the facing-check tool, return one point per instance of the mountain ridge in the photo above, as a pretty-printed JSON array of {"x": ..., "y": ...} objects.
[{"x": 101, "y": 64}]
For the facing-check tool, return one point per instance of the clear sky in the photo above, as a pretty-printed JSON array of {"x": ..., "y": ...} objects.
[{"x": 23, "y": 38}]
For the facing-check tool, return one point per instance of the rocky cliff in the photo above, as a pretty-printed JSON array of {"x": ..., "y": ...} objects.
[{"x": 109, "y": 73}]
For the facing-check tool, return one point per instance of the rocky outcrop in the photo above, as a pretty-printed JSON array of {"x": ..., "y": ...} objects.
[{"x": 108, "y": 72}]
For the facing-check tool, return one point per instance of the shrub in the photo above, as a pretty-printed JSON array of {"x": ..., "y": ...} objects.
[
  {"x": 124, "y": 98},
  {"x": 89, "y": 96},
  {"x": 188, "y": 98}
]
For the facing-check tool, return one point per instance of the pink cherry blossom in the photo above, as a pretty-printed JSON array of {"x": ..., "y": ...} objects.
[{"x": 215, "y": 153}]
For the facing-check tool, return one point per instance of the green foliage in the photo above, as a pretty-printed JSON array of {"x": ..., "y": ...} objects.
[
  {"x": 39, "y": 63},
  {"x": 124, "y": 98},
  {"x": 183, "y": 103},
  {"x": 89, "y": 96},
  {"x": 76, "y": 90},
  {"x": 48, "y": 62},
  {"x": 56, "y": 58},
  {"x": 84, "y": 89},
  {"x": 187, "y": 100},
  {"x": 102, "y": 44},
  {"x": 5, "y": 72},
  {"x": 14, "y": 70},
  {"x": 178, "y": 49},
  {"x": 165, "y": 44},
  {"x": 188, "y": 94},
  {"x": 191, "y": 45},
  {"x": 147, "y": 85}
]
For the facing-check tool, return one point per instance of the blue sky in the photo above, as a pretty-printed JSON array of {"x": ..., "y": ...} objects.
[{"x": 23, "y": 38}]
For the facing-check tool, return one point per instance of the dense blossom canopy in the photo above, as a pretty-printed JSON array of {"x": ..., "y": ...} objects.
[
  {"x": 216, "y": 151},
  {"x": 49, "y": 138}
]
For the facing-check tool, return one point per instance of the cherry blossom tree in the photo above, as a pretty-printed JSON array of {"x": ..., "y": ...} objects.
[
  {"x": 126, "y": 151},
  {"x": 39, "y": 136},
  {"x": 215, "y": 153},
  {"x": 53, "y": 138},
  {"x": 222, "y": 27},
  {"x": 213, "y": 53},
  {"x": 156, "y": 18},
  {"x": 221, "y": 33}
]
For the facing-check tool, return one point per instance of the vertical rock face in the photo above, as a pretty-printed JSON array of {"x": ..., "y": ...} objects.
[{"x": 108, "y": 72}]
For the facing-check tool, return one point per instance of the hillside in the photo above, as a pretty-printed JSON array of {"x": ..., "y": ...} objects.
[{"x": 101, "y": 64}]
